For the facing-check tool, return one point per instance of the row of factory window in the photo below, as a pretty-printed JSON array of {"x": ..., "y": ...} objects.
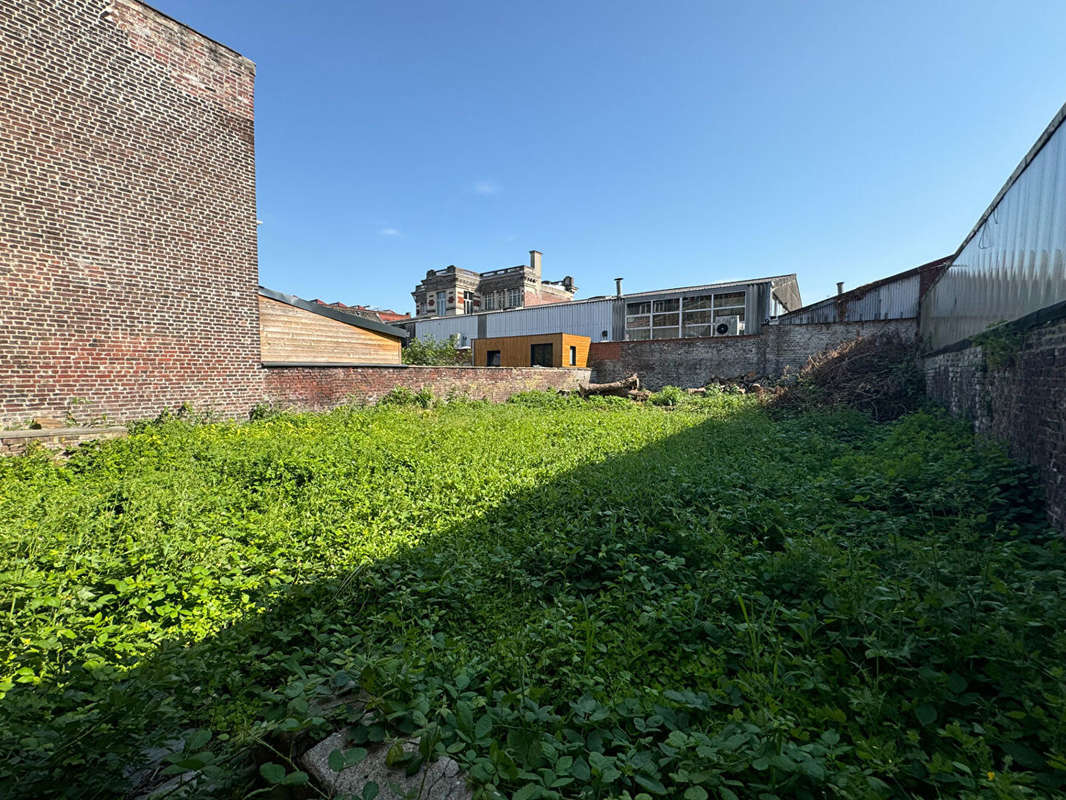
[{"x": 681, "y": 317}]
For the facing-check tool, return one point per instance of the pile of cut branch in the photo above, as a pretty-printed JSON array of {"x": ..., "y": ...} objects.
[{"x": 877, "y": 374}]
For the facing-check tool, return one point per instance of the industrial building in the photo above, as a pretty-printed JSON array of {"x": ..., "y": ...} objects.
[{"x": 729, "y": 308}]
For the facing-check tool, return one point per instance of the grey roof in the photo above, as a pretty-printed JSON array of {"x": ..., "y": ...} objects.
[{"x": 332, "y": 313}]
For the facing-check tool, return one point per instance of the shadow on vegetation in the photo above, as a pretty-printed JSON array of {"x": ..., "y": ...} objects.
[{"x": 813, "y": 607}]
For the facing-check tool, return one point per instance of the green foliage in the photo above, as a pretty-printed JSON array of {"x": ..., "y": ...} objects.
[
  {"x": 581, "y": 599},
  {"x": 435, "y": 353},
  {"x": 667, "y": 396},
  {"x": 999, "y": 345},
  {"x": 402, "y": 396}
]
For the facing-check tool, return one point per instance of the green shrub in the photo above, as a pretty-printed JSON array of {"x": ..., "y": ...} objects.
[
  {"x": 431, "y": 352},
  {"x": 667, "y": 396}
]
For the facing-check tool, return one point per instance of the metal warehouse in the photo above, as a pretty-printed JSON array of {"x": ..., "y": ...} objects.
[{"x": 713, "y": 309}]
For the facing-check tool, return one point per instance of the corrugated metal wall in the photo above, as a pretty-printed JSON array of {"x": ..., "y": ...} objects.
[
  {"x": 1013, "y": 263},
  {"x": 443, "y": 328},
  {"x": 590, "y": 318},
  {"x": 893, "y": 300}
]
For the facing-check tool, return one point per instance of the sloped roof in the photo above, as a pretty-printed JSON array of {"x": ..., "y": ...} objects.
[{"x": 332, "y": 313}]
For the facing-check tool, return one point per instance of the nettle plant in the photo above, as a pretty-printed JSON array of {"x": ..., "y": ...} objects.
[{"x": 571, "y": 599}]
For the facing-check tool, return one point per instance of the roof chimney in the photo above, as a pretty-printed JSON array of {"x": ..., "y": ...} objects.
[
  {"x": 840, "y": 288},
  {"x": 534, "y": 261},
  {"x": 618, "y": 287}
]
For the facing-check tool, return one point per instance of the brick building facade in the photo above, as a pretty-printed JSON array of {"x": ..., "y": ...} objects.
[
  {"x": 128, "y": 265},
  {"x": 452, "y": 290}
]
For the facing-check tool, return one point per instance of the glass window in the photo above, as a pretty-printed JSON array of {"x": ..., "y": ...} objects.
[
  {"x": 731, "y": 299},
  {"x": 638, "y": 322},
  {"x": 664, "y": 333},
  {"x": 667, "y": 305},
  {"x": 638, "y": 308},
  {"x": 638, "y": 335},
  {"x": 698, "y": 301},
  {"x": 661, "y": 320},
  {"x": 692, "y": 331},
  {"x": 697, "y": 317},
  {"x": 490, "y": 302},
  {"x": 729, "y": 312},
  {"x": 492, "y": 358},
  {"x": 540, "y": 355},
  {"x": 573, "y": 356}
]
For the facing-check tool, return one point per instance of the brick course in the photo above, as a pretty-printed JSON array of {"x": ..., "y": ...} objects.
[
  {"x": 1022, "y": 403},
  {"x": 321, "y": 388},
  {"x": 693, "y": 362},
  {"x": 128, "y": 266}
]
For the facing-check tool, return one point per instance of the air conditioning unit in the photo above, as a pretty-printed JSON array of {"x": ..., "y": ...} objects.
[{"x": 727, "y": 326}]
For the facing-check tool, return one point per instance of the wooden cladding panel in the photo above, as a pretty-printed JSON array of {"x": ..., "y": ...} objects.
[
  {"x": 515, "y": 350},
  {"x": 293, "y": 335}
]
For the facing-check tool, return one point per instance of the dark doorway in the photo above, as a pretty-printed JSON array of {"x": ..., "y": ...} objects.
[
  {"x": 540, "y": 355},
  {"x": 492, "y": 358}
]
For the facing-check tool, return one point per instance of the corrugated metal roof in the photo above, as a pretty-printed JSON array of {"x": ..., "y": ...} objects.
[{"x": 705, "y": 286}]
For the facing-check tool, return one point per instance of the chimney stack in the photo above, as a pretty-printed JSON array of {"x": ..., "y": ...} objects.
[
  {"x": 534, "y": 261},
  {"x": 840, "y": 288},
  {"x": 618, "y": 287}
]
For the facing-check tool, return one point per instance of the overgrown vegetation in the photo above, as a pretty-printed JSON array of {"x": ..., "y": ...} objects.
[
  {"x": 574, "y": 599},
  {"x": 430, "y": 352},
  {"x": 1000, "y": 344},
  {"x": 877, "y": 375}
]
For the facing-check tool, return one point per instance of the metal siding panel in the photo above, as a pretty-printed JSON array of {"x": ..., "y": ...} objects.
[{"x": 1015, "y": 263}]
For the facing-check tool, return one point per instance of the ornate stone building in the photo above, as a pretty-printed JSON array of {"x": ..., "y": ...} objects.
[{"x": 452, "y": 290}]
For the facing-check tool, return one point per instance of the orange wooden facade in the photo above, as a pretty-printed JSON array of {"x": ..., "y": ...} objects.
[{"x": 518, "y": 351}]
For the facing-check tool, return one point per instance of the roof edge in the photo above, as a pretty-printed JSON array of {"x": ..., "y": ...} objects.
[
  {"x": 1042, "y": 140},
  {"x": 858, "y": 291},
  {"x": 334, "y": 314},
  {"x": 190, "y": 28}
]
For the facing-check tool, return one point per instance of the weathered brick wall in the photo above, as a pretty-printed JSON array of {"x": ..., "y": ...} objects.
[
  {"x": 1022, "y": 403},
  {"x": 693, "y": 362},
  {"x": 128, "y": 265},
  {"x": 318, "y": 388}
]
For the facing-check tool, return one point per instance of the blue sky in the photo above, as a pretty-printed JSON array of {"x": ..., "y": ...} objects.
[{"x": 670, "y": 143}]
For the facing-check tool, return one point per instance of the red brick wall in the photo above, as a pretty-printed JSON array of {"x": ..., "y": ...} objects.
[
  {"x": 128, "y": 267},
  {"x": 1021, "y": 401},
  {"x": 317, "y": 388}
]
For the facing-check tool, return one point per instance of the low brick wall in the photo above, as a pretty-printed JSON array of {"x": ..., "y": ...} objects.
[
  {"x": 693, "y": 362},
  {"x": 1022, "y": 403},
  {"x": 12, "y": 442},
  {"x": 319, "y": 388}
]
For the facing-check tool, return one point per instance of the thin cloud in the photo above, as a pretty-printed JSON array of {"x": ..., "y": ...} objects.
[
  {"x": 486, "y": 187},
  {"x": 389, "y": 232}
]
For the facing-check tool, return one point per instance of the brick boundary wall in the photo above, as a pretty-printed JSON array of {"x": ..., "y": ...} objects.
[
  {"x": 314, "y": 388},
  {"x": 1022, "y": 403},
  {"x": 128, "y": 263},
  {"x": 693, "y": 362}
]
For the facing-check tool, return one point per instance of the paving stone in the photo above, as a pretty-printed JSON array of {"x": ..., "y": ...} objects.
[{"x": 440, "y": 780}]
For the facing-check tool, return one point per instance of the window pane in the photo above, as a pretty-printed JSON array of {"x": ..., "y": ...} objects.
[
  {"x": 698, "y": 301},
  {"x": 697, "y": 317},
  {"x": 638, "y": 308},
  {"x": 667, "y": 305},
  {"x": 638, "y": 335},
  {"x": 638, "y": 322},
  {"x": 731, "y": 299},
  {"x": 729, "y": 312},
  {"x": 660, "y": 320},
  {"x": 664, "y": 333}
]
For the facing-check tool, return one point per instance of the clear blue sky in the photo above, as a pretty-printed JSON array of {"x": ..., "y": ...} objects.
[{"x": 669, "y": 143}]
